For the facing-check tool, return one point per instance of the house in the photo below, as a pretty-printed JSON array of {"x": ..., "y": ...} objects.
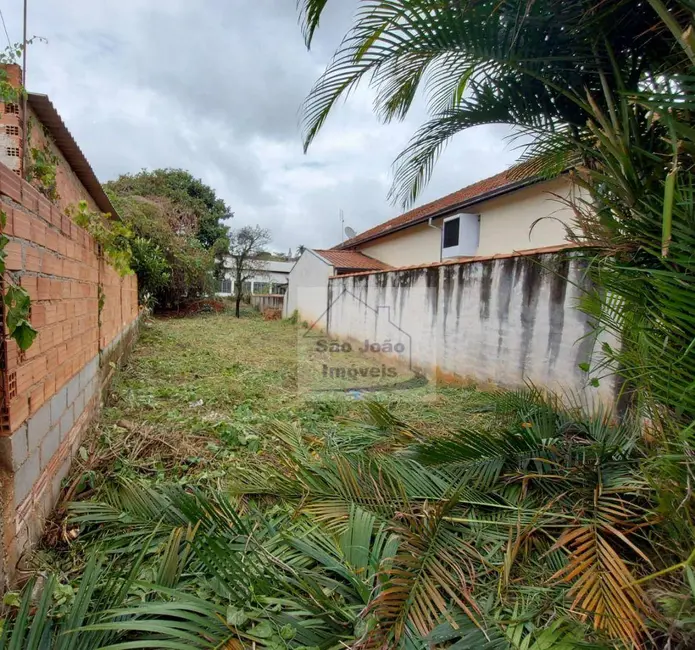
[
  {"x": 271, "y": 279},
  {"x": 307, "y": 291},
  {"x": 498, "y": 215}
]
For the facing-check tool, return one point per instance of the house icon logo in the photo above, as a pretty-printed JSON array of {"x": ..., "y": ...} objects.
[{"x": 332, "y": 361}]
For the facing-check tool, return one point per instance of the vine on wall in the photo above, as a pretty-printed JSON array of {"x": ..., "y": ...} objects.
[
  {"x": 42, "y": 164},
  {"x": 16, "y": 299},
  {"x": 112, "y": 236}
]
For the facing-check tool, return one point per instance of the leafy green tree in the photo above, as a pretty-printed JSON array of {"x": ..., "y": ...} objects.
[
  {"x": 180, "y": 238},
  {"x": 199, "y": 207}
]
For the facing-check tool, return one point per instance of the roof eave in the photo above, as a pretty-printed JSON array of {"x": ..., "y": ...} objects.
[
  {"x": 49, "y": 116},
  {"x": 517, "y": 185}
]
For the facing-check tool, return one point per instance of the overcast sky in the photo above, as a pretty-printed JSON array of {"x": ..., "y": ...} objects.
[{"x": 215, "y": 87}]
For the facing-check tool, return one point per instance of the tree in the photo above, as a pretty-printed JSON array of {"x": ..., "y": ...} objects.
[
  {"x": 246, "y": 245},
  {"x": 198, "y": 210},
  {"x": 527, "y": 64},
  {"x": 179, "y": 238}
]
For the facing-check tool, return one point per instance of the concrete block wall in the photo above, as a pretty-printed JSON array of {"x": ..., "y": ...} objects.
[
  {"x": 500, "y": 321},
  {"x": 50, "y": 393}
]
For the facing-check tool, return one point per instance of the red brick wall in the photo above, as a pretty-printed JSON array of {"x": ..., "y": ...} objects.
[
  {"x": 56, "y": 262},
  {"x": 49, "y": 394}
]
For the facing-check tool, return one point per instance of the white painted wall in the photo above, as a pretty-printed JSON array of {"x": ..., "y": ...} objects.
[
  {"x": 505, "y": 227},
  {"x": 505, "y": 224},
  {"x": 416, "y": 245},
  {"x": 502, "y": 321},
  {"x": 307, "y": 291}
]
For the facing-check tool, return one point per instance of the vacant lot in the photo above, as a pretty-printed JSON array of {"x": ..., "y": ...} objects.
[{"x": 198, "y": 393}]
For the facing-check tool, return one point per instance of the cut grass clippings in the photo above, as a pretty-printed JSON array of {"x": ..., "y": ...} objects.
[{"x": 197, "y": 397}]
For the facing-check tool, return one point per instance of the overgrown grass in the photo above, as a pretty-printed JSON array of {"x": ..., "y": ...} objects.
[{"x": 198, "y": 394}]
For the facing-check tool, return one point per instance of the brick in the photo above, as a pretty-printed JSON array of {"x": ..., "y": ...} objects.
[
  {"x": 79, "y": 404},
  {"x": 67, "y": 421},
  {"x": 51, "y": 239},
  {"x": 26, "y": 476},
  {"x": 73, "y": 387},
  {"x": 21, "y": 225},
  {"x": 38, "y": 426},
  {"x": 51, "y": 264},
  {"x": 19, "y": 411},
  {"x": 38, "y": 313},
  {"x": 13, "y": 261},
  {"x": 59, "y": 404},
  {"x": 14, "y": 449},
  {"x": 9, "y": 218},
  {"x": 38, "y": 232},
  {"x": 50, "y": 445},
  {"x": 44, "y": 288},
  {"x": 30, "y": 283},
  {"x": 36, "y": 397},
  {"x": 32, "y": 259}
]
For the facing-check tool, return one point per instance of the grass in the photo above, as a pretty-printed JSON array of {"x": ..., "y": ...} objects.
[{"x": 198, "y": 394}]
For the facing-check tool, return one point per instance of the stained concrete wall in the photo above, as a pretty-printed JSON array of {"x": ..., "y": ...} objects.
[
  {"x": 499, "y": 321},
  {"x": 307, "y": 291}
]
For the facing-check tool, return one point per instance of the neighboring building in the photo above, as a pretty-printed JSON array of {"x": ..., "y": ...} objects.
[
  {"x": 307, "y": 292},
  {"x": 272, "y": 279},
  {"x": 498, "y": 215}
]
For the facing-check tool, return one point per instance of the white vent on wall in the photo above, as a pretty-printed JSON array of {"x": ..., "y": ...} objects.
[{"x": 460, "y": 235}]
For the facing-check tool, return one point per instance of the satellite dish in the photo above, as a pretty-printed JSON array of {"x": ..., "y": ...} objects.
[{"x": 350, "y": 232}]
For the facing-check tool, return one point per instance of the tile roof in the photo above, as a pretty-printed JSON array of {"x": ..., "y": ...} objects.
[
  {"x": 469, "y": 195},
  {"x": 49, "y": 117},
  {"x": 351, "y": 260},
  {"x": 543, "y": 250}
]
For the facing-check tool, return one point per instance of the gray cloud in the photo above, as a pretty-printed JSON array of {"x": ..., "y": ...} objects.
[{"x": 215, "y": 87}]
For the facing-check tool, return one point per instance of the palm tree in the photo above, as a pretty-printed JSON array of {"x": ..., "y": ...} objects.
[
  {"x": 533, "y": 532},
  {"x": 530, "y": 64},
  {"x": 602, "y": 88}
]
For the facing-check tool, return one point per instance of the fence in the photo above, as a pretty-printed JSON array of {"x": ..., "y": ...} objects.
[
  {"x": 503, "y": 321},
  {"x": 267, "y": 301},
  {"x": 86, "y": 316}
]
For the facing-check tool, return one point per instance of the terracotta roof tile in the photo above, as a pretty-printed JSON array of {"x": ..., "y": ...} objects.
[
  {"x": 352, "y": 260},
  {"x": 543, "y": 250},
  {"x": 466, "y": 196}
]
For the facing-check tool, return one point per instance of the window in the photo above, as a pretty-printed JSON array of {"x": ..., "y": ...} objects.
[
  {"x": 246, "y": 288},
  {"x": 460, "y": 235},
  {"x": 451, "y": 232},
  {"x": 261, "y": 287},
  {"x": 12, "y": 151},
  {"x": 11, "y": 130},
  {"x": 12, "y": 109},
  {"x": 226, "y": 286}
]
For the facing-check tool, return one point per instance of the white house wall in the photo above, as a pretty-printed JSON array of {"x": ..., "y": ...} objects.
[
  {"x": 507, "y": 222},
  {"x": 416, "y": 245},
  {"x": 307, "y": 292},
  {"x": 505, "y": 226},
  {"x": 503, "y": 321}
]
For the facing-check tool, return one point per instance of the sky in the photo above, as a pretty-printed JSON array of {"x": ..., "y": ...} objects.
[{"x": 216, "y": 87}]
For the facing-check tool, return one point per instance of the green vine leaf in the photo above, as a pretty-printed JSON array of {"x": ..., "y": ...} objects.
[
  {"x": 18, "y": 306},
  {"x": 112, "y": 235}
]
